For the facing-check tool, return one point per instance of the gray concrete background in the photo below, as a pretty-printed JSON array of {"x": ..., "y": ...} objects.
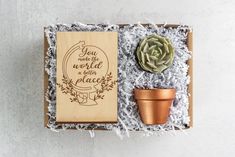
[{"x": 21, "y": 78}]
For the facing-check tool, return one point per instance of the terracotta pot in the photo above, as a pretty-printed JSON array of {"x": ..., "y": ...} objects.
[{"x": 154, "y": 104}]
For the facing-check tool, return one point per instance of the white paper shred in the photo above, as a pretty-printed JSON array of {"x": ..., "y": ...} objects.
[{"x": 130, "y": 76}]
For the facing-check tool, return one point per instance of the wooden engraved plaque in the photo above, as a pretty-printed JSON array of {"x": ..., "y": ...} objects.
[{"x": 86, "y": 89}]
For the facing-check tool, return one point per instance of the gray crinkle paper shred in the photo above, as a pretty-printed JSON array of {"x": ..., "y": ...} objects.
[{"x": 130, "y": 76}]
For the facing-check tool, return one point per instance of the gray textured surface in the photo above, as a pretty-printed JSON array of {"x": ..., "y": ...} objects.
[{"x": 21, "y": 78}]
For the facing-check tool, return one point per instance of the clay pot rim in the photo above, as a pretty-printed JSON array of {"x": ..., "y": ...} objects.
[
  {"x": 154, "y": 89},
  {"x": 155, "y": 94}
]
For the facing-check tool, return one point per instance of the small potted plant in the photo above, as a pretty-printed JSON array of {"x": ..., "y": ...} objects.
[{"x": 154, "y": 54}]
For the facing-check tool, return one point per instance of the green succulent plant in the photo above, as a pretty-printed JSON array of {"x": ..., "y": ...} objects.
[{"x": 155, "y": 53}]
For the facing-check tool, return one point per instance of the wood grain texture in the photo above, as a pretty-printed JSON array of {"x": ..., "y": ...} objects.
[
  {"x": 88, "y": 63},
  {"x": 190, "y": 86},
  {"x": 46, "y": 103}
]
